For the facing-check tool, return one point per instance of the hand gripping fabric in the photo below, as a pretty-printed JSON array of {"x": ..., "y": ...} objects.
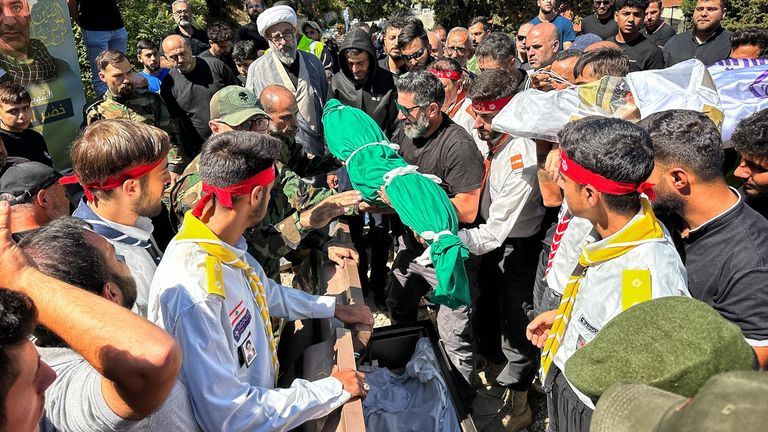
[
  {"x": 642, "y": 230},
  {"x": 194, "y": 229},
  {"x": 420, "y": 202}
]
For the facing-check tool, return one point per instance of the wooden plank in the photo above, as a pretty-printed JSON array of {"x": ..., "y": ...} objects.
[{"x": 352, "y": 419}]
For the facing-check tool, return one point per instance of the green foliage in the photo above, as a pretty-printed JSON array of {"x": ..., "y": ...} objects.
[
  {"x": 741, "y": 13},
  {"x": 143, "y": 19}
]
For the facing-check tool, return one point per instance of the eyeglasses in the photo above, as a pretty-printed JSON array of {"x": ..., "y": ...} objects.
[
  {"x": 602, "y": 2},
  {"x": 259, "y": 123},
  {"x": 420, "y": 52},
  {"x": 182, "y": 12},
  {"x": 276, "y": 37},
  {"x": 451, "y": 49},
  {"x": 406, "y": 110}
]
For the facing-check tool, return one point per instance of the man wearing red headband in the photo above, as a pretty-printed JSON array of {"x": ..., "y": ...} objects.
[
  {"x": 218, "y": 303},
  {"x": 628, "y": 258},
  {"x": 507, "y": 240},
  {"x": 123, "y": 168}
]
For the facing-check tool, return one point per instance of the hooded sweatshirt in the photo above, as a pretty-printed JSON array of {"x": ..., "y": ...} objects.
[{"x": 377, "y": 96}]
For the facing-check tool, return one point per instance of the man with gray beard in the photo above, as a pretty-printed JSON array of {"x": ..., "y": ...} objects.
[
  {"x": 429, "y": 139},
  {"x": 300, "y": 72}
]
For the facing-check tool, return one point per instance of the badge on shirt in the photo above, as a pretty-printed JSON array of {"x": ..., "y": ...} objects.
[
  {"x": 516, "y": 162},
  {"x": 246, "y": 351}
]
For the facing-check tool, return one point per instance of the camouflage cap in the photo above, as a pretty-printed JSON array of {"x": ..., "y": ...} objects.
[{"x": 234, "y": 104}]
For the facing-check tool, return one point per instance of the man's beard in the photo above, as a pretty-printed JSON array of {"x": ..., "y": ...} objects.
[
  {"x": 147, "y": 207},
  {"x": 667, "y": 203},
  {"x": 254, "y": 16},
  {"x": 488, "y": 136},
  {"x": 417, "y": 128},
  {"x": 286, "y": 55},
  {"x": 706, "y": 27},
  {"x": 127, "y": 288},
  {"x": 185, "y": 23}
]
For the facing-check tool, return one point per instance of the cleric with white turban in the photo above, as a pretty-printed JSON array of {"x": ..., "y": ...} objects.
[{"x": 275, "y": 15}]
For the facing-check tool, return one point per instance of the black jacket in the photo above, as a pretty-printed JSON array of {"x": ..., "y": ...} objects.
[{"x": 377, "y": 96}]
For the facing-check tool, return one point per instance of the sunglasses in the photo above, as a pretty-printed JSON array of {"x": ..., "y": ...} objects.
[
  {"x": 521, "y": 38},
  {"x": 420, "y": 52},
  {"x": 406, "y": 110},
  {"x": 602, "y": 2}
]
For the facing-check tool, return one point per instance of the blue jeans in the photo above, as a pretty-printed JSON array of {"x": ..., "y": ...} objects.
[{"x": 98, "y": 41}]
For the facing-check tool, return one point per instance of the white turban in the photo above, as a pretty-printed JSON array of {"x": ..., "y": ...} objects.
[{"x": 275, "y": 15}]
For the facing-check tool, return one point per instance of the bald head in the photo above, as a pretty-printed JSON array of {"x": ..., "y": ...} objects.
[
  {"x": 435, "y": 45},
  {"x": 177, "y": 51},
  {"x": 541, "y": 45},
  {"x": 280, "y": 105},
  {"x": 601, "y": 44}
]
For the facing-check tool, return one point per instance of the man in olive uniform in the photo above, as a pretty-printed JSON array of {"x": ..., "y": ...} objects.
[
  {"x": 281, "y": 231},
  {"x": 128, "y": 97}
]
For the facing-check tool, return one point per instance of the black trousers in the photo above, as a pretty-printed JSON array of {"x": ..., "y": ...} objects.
[
  {"x": 567, "y": 413},
  {"x": 508, "y": 274}
]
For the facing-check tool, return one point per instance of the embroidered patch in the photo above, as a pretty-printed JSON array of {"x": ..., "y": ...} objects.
[
  {"x": 516, "y": 162},
  {"x": 241, "y": 326},
  {"x": 583, "y": 321},
  {"x": 246, "y": 351}
]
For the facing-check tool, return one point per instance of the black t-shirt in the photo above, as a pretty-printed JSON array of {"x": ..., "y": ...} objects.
[
  {"x": 727, "y": 264},
  {"x": 661, "y": 36},
  {"x": 449, "y": 153},
  {"x": 251, "y": 32},
  {"x": 28, "y": 145},
  {"x": 603, "y": 28},
  {"x": 643, "y": 54},
  {"x": 99, "y": 15},
  {"x": 227, "y": 59},
  {"x": 683, "y": 47},
  {"x": 188, "y": 98},
  {"x": 198, "y": 41}
]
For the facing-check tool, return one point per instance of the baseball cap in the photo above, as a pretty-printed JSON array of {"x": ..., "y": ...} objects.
[
  {"x": 731, "y": 401},
  {"x": 234, "y": 104},
  {"x": 672, "y": 343},
  {"x": 25, "y": 179},
  {"x": 582, "y": 42}
]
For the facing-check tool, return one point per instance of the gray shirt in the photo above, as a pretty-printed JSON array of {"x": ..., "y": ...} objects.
[{"x": 75, "y": 402}]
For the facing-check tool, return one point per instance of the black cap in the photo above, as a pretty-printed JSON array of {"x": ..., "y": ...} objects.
[{"x": 24, "y": 180}]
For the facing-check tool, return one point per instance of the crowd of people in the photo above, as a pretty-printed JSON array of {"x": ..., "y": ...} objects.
[{"x": 142, "y": 291}]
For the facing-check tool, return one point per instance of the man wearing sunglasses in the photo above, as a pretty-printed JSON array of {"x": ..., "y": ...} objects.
[
  {"x": 601, "y": 22},
  {"x": 522, "y": 54},
  {"x": 414, "y": 46},
  {"x": 438, "y": 146}
]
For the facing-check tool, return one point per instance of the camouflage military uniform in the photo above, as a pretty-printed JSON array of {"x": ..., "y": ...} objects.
[
  {"x": 277, "y": 235},
  {"x": 141, "y": 106}
]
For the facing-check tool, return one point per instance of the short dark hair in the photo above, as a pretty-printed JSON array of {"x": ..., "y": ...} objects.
[
  {"x": 232, "y": 157},
  {"x": 108, "y": 147},
  {"x": 18, "y": 318},
  {"x": 498, "y": 46},
  {"x": 613, "y": 148},
  {"x": 751, "y": 135},
  {"x": 659, "y": 3},
  {"x": 352, "y": 52},
  {"x": 425, "y": 87},
  {"x": 751, "y": 36},
  {"x": 398, "y": 21},
  {"x": 144, "y": 43},
  {"x": 446, "y": 64},
  {"x": 724, "y": 4},
  {"x": 481, "y": 20},
  {"x": 566, "y": 54},
  {"x": 219, "y": 32},
  {"x": 633, "y": 4},
  {"x": 61, "y": 250},
  {"x": 14, "y": 93},
  {"x": 244, "y": 50},
  {"x": 493, "y": 84},
  {"x": 412, "y": 31},
  {"x": 109, "y": 57},
  {"x": 606, "y": 61},
  {"x": 688, "y": 138}
]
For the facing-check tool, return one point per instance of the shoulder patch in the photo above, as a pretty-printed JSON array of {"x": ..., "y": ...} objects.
[
  {"x": 215, "y": 277},
  {"x": 516, "y": 162}
]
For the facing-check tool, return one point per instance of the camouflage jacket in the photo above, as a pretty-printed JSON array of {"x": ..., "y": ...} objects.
[
  {"x": 277, "y": 235},
  {"x": 142, "y": 106}
]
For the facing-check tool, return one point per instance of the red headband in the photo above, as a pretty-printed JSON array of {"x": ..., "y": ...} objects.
[
  {"x": 113, "y": 182},
  {"x": 581, "y": 175},
  {"x": 449, "y": 74},
  {"x": 493, "y": 105},
  {"x": 225, "y": 194}
]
